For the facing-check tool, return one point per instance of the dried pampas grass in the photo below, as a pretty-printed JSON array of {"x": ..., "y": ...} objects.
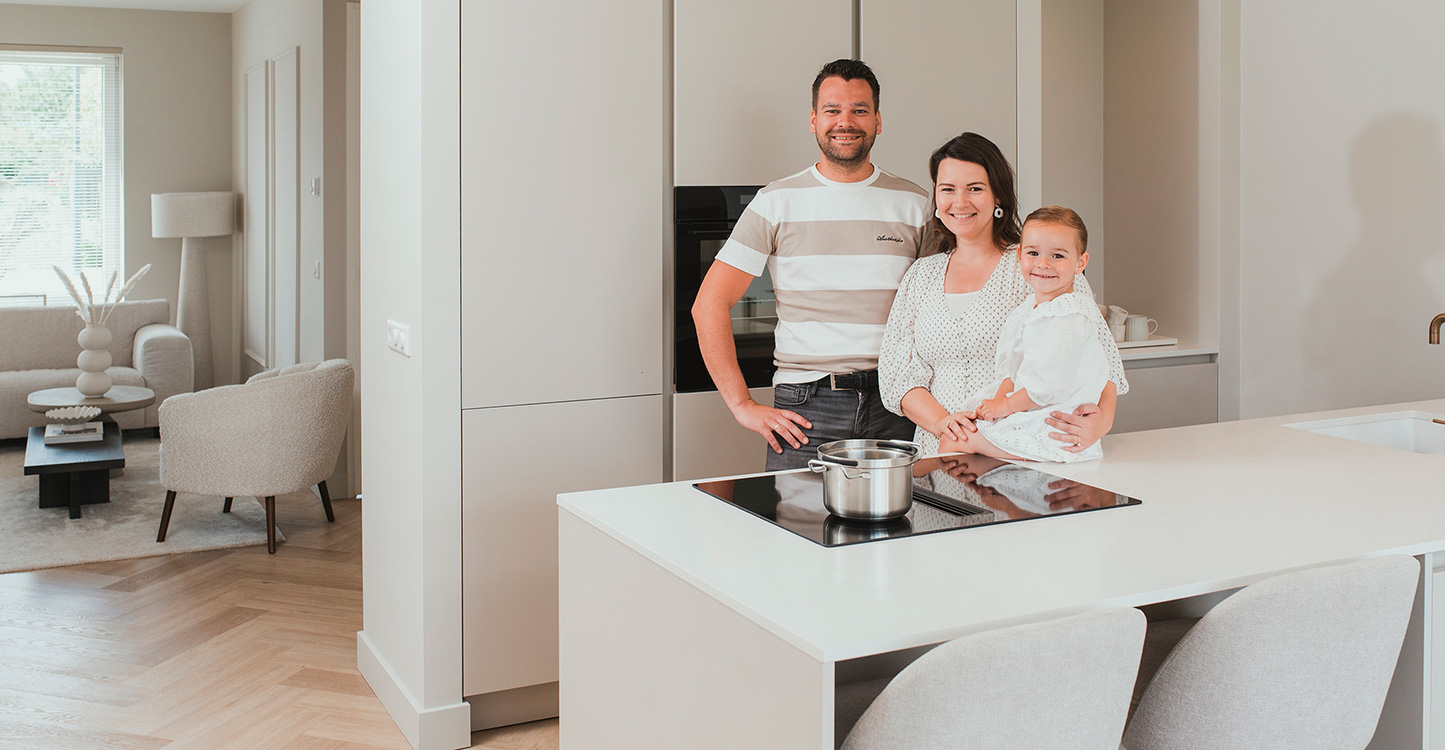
[{"x": 85, "y": 305}]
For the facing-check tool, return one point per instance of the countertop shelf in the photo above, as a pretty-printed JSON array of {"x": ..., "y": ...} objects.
[{"x": 1185, "y": 349}]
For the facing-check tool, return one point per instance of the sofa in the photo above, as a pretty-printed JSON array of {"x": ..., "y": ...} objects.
[{"x": 38, "y": 350}]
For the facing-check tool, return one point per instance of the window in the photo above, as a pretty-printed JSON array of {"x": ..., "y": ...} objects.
[{"x": 60, "y": 170}]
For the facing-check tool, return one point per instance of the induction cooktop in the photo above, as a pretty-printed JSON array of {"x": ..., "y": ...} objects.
[{"x": 949, "y": 492}]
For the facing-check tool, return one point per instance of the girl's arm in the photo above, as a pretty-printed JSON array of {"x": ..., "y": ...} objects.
[{"x": 1004, "y": 403}]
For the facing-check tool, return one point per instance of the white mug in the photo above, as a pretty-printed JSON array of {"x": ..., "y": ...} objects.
[
  {"x": 1138, "y": 327},
  {"x": 1117, "y": 315},
  {"x": 1117, "y": 331}
]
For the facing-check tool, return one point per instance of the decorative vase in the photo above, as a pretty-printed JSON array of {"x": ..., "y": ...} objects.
[{"x": 94, "y": 358}]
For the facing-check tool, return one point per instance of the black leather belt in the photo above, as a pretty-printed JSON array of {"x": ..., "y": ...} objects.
[{"x": 853, "y": 381}]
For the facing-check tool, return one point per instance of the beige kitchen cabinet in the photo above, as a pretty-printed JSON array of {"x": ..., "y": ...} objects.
[
  {"x": 945, "y": 67},
  {"x": 562, "y": 276},
  {"x": 515, "y": 460},
  {"x": 742, "y": 86},
  {"x": 1168, "y": 393},
  {"x": 708, "y": 442}
]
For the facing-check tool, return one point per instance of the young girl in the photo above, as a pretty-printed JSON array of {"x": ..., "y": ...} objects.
[{"x": 1049, "y": 357}]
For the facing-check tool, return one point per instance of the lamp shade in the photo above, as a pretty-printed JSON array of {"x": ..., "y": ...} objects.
[{"x": 192, "y": 214}]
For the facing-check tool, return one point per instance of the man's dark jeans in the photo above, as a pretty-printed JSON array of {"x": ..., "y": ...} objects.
[{"x": 836, "y": 415}]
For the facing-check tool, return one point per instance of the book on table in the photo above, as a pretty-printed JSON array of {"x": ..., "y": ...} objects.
[{"x": 60, "y": 433}]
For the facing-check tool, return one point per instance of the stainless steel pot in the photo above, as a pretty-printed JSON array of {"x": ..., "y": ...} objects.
[{"x": 870, "y": 480}]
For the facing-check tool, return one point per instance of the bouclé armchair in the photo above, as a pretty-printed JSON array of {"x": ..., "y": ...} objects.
[{"x": 280, "y": 432}]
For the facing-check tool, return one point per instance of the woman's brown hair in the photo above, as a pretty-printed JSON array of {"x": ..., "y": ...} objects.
[{"x": 975, "y": 149}]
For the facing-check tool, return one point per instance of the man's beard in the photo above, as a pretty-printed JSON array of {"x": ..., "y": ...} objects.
[{"x": 842, "y": 159}]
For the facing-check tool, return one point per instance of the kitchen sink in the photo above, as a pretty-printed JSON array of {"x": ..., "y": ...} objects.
[{"x": 1413, "y": 431}]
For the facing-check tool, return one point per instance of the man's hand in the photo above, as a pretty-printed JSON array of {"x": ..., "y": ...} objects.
[{"x": 772, "y": 424}]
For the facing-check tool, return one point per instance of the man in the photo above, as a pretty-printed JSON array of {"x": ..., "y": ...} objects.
[{"x": 836, "y": 238}]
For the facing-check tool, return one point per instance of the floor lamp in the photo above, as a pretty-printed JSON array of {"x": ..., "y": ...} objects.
[{"x": 188, "y": 216}]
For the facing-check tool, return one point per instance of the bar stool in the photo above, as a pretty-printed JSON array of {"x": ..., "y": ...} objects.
[
  {"x": 1062, "y": 683},
  {"x": 1301, "y": 660}
]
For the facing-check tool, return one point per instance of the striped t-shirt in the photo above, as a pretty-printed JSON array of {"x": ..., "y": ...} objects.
[{"x": 836, "y": 252}]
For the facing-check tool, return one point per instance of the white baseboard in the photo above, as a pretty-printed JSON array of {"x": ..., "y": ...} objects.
[{"x": 441, "y": 728}]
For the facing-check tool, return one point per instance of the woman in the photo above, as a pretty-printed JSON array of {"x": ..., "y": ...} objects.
[{"x": 944, "y": 325}]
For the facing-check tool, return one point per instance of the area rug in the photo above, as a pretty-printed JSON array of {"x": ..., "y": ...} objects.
[{"x": 32, "y": 537}]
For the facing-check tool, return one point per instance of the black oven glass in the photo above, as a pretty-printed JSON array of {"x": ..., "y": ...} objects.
[{"x": 704, "y": 218}]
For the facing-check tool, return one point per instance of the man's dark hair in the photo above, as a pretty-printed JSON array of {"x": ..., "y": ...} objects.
[{"x": 848, "y": 70}]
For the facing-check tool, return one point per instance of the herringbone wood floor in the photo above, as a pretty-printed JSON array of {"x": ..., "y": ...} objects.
[{"x": 219, "y": 649}]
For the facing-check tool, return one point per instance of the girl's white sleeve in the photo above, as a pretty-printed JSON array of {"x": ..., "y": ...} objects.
[
  {"x": 900, "y": 369},
  {"x": 1053, "y": 349}
]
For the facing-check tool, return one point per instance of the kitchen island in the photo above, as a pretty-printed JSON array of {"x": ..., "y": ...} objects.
[{"x": 686, "y": 622}]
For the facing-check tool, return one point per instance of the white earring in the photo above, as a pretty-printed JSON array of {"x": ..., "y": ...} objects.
[
  {"x": 937, "y": 215},
  {"x": 998, "y": 212}
]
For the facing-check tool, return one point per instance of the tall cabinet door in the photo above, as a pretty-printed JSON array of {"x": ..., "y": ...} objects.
[
  {"x": 945, "y": 67},
  {"x": 565, "y": 203},
  {"x": 515, "y": 461},
  {"x": 742, "y": 89}
]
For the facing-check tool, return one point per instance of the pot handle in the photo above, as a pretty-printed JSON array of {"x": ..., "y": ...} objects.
[
  {"x": 917, "y": 447},
  {"x": 834, "y": 460},
  {"x": 820, "y": 467}
]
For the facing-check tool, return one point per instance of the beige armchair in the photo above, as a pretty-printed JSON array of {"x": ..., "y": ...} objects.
[{"x": 280, "y": 432}]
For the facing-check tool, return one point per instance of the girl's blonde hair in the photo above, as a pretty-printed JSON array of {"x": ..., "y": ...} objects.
[{"x": 1063, "y": 217}]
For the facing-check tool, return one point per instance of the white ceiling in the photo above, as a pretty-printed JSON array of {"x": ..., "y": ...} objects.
[{"x": 204, "y": 6}]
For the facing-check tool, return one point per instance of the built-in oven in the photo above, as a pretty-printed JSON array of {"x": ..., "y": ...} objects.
[{"x": 704, "y": 218}]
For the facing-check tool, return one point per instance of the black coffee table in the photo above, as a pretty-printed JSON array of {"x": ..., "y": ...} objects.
[{"x": 74, "y": 474}]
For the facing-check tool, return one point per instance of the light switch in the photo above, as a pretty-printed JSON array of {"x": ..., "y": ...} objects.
[
  {"x": 316, "y": 186},
  {"x": 316, "y": 270},
  {"x": 398, "y": 338}
]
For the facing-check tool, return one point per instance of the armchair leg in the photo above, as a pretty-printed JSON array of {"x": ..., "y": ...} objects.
[
  {"x": 227, "y": 507},
  {"x": 271, "y": 524},
  {"x": 326, "y": 502},
  {"x": 166, "y": 515}
]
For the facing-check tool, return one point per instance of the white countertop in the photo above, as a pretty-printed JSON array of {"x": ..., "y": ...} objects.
[
  {"x": 1183, "y": 349},
  {"x": 1223, "y": 505}
]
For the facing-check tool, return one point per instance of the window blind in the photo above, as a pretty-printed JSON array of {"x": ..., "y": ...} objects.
[{"x": 61, "y": 163}]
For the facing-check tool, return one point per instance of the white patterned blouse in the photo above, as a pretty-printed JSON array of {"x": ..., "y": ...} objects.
[{"x": 926, "y": 346}]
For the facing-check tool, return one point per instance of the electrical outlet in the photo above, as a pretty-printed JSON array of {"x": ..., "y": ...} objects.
[{"x": 398, "y": 338}]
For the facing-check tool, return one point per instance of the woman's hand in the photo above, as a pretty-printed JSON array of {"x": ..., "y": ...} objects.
[
  {"x": 1079, "y": 430},
  {"x": 954, "y": 425},
  {"x": 768, "y": 422}
]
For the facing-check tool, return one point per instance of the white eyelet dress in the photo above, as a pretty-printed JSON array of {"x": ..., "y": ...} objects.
[{"x": 926, "y": 346}]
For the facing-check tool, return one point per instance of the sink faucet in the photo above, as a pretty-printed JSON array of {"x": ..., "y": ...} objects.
[{"x": 1435, "y": 328}]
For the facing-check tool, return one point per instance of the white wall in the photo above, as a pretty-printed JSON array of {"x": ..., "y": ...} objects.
[
  {"x": 177, "y": 69},
  {"x": 263, "y": 29},
  {"x": 1073, "y": 120},
  {"x": 1151, "y": 165},
  {"x": 410, "y": 647},
  {"x": 1342, "y": 260}
]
